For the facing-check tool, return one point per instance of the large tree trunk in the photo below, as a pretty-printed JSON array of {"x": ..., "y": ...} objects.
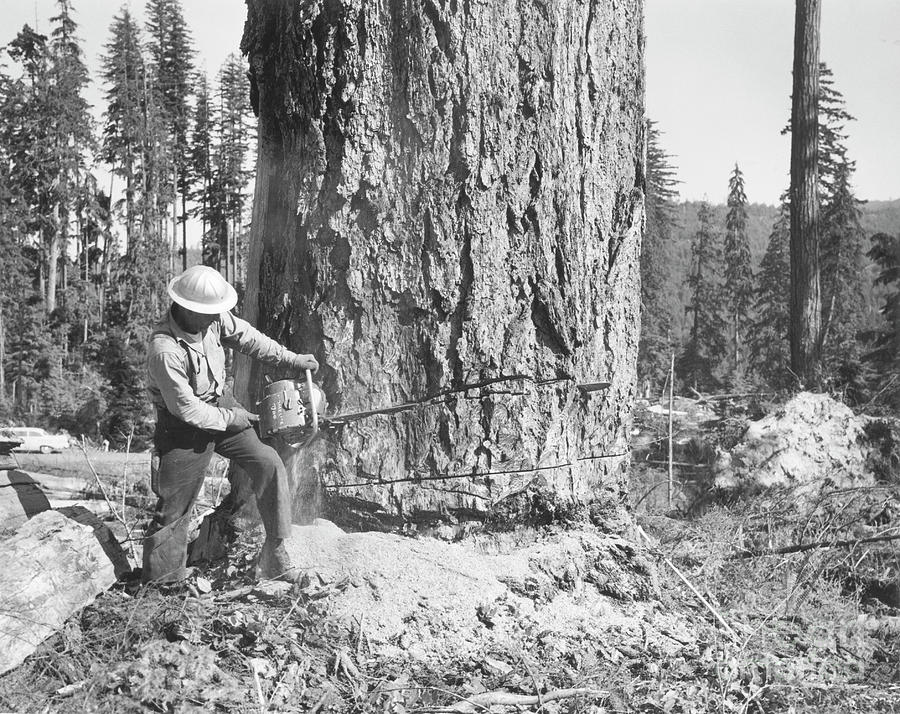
[
  {"x": 52, "y": 243},
  {"x": 448, "y": 192},
  {"x": 2, "y": 357},
  {"x": 805, "y": 295}
]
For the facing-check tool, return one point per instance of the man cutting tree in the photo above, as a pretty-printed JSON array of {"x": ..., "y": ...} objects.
[{"x": 186, "y": 380}]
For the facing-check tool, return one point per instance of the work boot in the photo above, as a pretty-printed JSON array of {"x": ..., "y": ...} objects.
[{"x": 274, "y": 563}]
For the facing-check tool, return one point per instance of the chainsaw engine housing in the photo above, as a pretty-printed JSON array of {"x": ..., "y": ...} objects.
[{"x": 286, "y": 410}]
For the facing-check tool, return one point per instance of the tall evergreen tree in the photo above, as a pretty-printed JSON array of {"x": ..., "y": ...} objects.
[
  {"x": 884, "y": 340},
  {"x": 833, "y": 118},
  {"x": 172, "y": 60},
  {"x": 656, "y": 344},
  {"x": 48, "y": 134},
  {"x": 843, "y": 272},
  {"x": 707, "y": 345},
  {"x": 74, "y": 134},
  {"x": 16, "y": 275},
  {"x": 201, "y": 172},
  {"x": 844, "y": 311},
  {"x": 124, "y": 76},
  {"x": 769, "y": 354},
  {"x": 226, "y": 194},
  {"x": 738, "y": 274},
  {"x": 806, "y": 305}
]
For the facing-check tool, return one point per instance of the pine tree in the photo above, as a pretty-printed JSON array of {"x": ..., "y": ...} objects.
[
  {"x": 124, "y": 76},
  {"x": 884, "y": 341},
  {"x": 707, "y": 344},
  {"x": 656, "y": 343},
  {"x": 844, "y": 312},
  {"x": 172, "y": 60},
  {"x": 806, "y": 304},
  {"x": 226, "y": 194},
  {"x": 842, "y": 287},
  {"x": 201, "y": 174},
  {"x": 17, "y": 272},
  {"x": 843, "y": 274},
  {"x": 738, "y": 275},
  {"x": 48, "y": 135},
  {"x": 768, "y": 336},
  {"x": 74, "y": 134},
  {"x": 833, "y": 117}
]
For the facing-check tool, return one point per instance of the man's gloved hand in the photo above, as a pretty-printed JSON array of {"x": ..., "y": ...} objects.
[
  {"x": 305, "y": 362},
  {"x": 240, "y": 419}
]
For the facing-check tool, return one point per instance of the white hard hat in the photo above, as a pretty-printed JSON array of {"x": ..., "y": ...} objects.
[{"x": 203, "y": 289}]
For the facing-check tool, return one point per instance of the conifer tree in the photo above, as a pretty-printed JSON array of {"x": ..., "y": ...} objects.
[
  {"x": 226, "y": 193},
  {"x": 806, "y": 304},
  {"x": 843, "y": 274},
  {"x": 707, "y": 344},
  {"x": 124, "y": 76},
  {"x": 769, "y": 353},
  {"x": 74, "y": 135},
  {"x": 48, "y": 134},
  {"x": 201, "y": 153},
  {"x": 656, "y": 343},
  {"x": 884, "y": 341},
  {"x": 16, "y": 275},
  {"x": 134, "y": 144},
  {"x": 738, "y": 275},
  {"x": 844, "y": 312},
  {"x": 833, "y": 118},
  {"x": 172, "y": 61},
  {"x": 842, "y": 286}
]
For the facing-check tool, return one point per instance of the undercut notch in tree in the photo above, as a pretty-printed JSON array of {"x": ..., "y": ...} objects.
[{"x": 447, "y": 192}]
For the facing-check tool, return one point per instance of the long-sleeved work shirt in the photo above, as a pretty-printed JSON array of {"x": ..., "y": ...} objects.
[{"x": 186, "y": 372}]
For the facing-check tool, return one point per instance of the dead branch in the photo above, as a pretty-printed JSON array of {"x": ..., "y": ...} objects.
[
  {"x": 492, "y": 699},
  {"x": 694, "y": 590},
  {"x": 112, "y": 508},
  {"x": 803, "y": 547},
  {"x": 725, "y": 397}
]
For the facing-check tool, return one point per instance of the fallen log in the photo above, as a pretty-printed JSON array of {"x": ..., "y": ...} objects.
[
  {"x": 24, "y": 494},
  {"x": 50, "y": 569},
  {"x": 21, "y": 497}
]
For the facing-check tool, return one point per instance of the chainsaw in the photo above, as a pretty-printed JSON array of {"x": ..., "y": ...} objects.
[{"x": 294, "y": 410}]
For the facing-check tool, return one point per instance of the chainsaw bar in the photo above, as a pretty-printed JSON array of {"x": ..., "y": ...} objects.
[{"x": 341, "y": 419}]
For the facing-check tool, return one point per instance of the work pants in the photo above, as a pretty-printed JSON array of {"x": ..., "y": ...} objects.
[{"x": 184, "y": 454}]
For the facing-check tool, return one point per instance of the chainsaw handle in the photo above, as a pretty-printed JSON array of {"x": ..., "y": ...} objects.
[{"x": 312, "y": 401}]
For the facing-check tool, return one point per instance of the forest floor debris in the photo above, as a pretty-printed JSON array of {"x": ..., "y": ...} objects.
[
  {"x": 806, "y": 640},
  {"x": 545, "y": 620}
]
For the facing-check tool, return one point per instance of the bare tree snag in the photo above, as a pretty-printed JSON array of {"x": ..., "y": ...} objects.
[
  {"x": 805, "y": 308},
  {"x": 448, "y": 192},
  {"x": 52, "y": 567}
]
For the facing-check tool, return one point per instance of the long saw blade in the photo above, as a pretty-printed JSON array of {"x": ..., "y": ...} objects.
[{"x": 445, "y": 396}]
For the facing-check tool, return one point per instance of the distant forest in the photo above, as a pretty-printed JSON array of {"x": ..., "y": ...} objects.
[
  {"x": 716, "y": 279},
  {"x": 876, "y": 217},
  {"x": 94, "y": 214}
]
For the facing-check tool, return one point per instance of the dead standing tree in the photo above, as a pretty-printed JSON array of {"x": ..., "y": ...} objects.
[
  {"x": 448, "y": 192},
  {"x": 806, "y": 318}
]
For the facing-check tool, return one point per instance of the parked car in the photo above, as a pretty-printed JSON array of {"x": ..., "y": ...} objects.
[{"x": 35, "y": 439}]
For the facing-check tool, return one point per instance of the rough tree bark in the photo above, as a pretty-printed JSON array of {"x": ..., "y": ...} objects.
[
  {"x": 448, "y": 192},
  {"x": 805, "y": 295}
]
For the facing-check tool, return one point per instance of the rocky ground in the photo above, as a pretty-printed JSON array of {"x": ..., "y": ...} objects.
[{"x": 700, "y": 608}]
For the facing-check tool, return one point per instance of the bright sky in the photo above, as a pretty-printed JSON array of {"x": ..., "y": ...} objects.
[
  {"x": 719, "y": 85},
  {"x": 718, "y": 80}
]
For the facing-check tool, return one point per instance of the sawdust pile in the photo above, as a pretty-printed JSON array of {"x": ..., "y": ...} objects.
[
  {"x": 811, "y": 442},
  {"x": 433, "y": 602}
]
